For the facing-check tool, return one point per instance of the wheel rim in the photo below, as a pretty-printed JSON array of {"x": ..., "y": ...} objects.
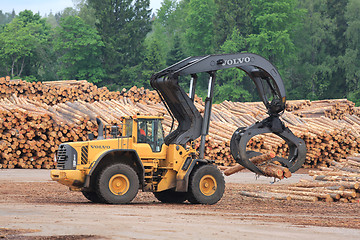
[
  {"x": 208, "y": 185},
  {"x": 119, "y": 184}
]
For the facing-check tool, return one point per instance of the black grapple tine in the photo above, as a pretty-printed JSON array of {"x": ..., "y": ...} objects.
[{"x": 240, "y": 138}]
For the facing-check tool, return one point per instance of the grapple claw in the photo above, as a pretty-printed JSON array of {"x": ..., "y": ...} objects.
[{"x": 272, "y": 124}]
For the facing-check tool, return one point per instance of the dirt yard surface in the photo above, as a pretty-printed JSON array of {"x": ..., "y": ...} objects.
[{"x": 33, "y": 207}]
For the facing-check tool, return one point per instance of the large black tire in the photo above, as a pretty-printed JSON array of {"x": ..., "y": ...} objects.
[
  {"x": 117, "y": 184},
  {"x": 170, "y": 196},
  {"x": 92, "y": 196},
  {"x": 207, "y": 185}
]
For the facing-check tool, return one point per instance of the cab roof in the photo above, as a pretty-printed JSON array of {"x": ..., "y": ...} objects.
[{"x": 144, "y": 117}]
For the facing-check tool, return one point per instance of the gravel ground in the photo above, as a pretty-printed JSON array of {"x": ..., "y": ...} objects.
[{"x": 33, "y": 207}]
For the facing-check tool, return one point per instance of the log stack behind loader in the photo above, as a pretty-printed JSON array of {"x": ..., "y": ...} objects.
[{"x": 25, "y": 123}]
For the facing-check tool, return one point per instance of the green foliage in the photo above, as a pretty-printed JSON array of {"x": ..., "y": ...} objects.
[
  {"x": 233, "y": 87},
  {"x": 232, "y": 84},
  {"x": 313, "y": 43},
  {"x": 22, "y": 42},
  {"x": 199, "y": 34},
  {"x": 354, "y": 96},
  {"x": 123, "y": 26},
  {"x": 176, "y": 53},
  {"x": 313, "y": 67},
  {"x": 153, "y": 62},
  {"x": 234, "y": 43},
  {"x": 351, "y": 58},
  {"x": 85, "y": 12},
  {"x": 51, "y": 20},
  {"x": 273, "y": 26},
  {"x": 5, "y": 18},
  {"x": 79, "y": 48},
  {"x": 167, "y": 26},
  {"x": 30, "y": 78},
  {"x": 231, "y": 14}
]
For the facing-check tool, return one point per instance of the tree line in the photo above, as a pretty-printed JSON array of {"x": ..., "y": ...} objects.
[{"x": 120, "y": 43}]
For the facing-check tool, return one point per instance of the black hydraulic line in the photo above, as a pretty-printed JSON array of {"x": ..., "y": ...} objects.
[
  {"x": 192, "y": 86},
  {"x": 169, "y": 70},
  {"x": 207, "y": 114}
]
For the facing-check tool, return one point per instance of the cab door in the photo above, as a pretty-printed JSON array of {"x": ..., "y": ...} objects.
[{"x": 150, "y": 139}]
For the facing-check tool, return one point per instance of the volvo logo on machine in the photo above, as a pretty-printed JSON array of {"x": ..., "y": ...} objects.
[
  {"x": 99, "y": 147},
  {"x": 230, "y": 62}
]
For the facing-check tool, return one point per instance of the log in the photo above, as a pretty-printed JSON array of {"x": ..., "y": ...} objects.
[
  {"x": 333, "y": 173},
  {"x": 271, "y": 171},
  {"x": 308, "y": 194},
  {"x": 310, "y": 184},
  {"x": 319, "y": 190},
  {"x": 303, "y": 198},
  {"x": 336, "y": 178},
  {"x": 266, "y": 195},
  {"x": 256, "y": 160}
]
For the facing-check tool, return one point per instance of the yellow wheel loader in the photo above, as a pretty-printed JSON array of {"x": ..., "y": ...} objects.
[{"x": 136, "y": 154}]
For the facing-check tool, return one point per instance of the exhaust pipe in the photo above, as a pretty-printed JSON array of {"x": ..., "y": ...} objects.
[{"x": 100, "y": 129}]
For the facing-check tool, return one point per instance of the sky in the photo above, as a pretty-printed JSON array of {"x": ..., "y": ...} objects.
[{"x": 45, "y": 6}]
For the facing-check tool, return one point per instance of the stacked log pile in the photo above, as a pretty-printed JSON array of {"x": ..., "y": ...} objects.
[
  {"x": 338, "y": 183},
  {"x": 142, "y": 95},
  {"x": 26, "y": 136},
  {"x": 30, "y": 132},
  {"x": 327, "y": 138},
  {"x": 55, "y": 92},
  {"x": 333, "y": 109}
]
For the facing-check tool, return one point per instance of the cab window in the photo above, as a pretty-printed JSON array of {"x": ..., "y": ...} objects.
[{"x": 150, "y": 132}]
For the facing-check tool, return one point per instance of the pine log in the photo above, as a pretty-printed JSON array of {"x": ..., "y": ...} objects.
[
  {"x": 256, "y": 160},
  {"x": 266, "y": 195}
]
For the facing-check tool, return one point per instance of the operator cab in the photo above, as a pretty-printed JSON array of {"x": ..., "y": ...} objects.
[{"x": 150, "y": 131}]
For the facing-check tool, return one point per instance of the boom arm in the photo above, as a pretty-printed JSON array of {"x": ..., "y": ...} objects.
[
  {"x": 192, "y": 124},
  {"x": 261, "y": 71}
]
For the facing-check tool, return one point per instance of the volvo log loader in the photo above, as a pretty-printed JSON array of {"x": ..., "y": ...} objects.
[{"x": 136, "y": 154}]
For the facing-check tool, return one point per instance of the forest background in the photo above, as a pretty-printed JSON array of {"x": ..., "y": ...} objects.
[{"x": 121, "y": 43}]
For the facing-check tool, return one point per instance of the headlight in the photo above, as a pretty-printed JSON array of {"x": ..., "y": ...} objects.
[{"x": 74, "y": 161}]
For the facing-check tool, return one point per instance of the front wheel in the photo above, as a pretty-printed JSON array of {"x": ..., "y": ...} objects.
[
  {"x": 118, "y": 183},
  {"x": 92, "y": 196},
  {"x": 207, "y": 185}
]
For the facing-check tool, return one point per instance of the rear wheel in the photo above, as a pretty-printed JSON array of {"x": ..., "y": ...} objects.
[
  {"x": 118, "y": 184},
  {"x": 207, "y": 185},
  {"x": 170, "y": 196}
]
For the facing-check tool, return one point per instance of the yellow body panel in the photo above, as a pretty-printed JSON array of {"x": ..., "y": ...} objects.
[
  {"x": 176, "y": 155},
  {"x": 168, "y": 162},
  {"x": 99, "y": 147},
  {"x": 168, "y": 181},
  {"x": 144, "y": 151},
  {"x": 68, "y": 177}
]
